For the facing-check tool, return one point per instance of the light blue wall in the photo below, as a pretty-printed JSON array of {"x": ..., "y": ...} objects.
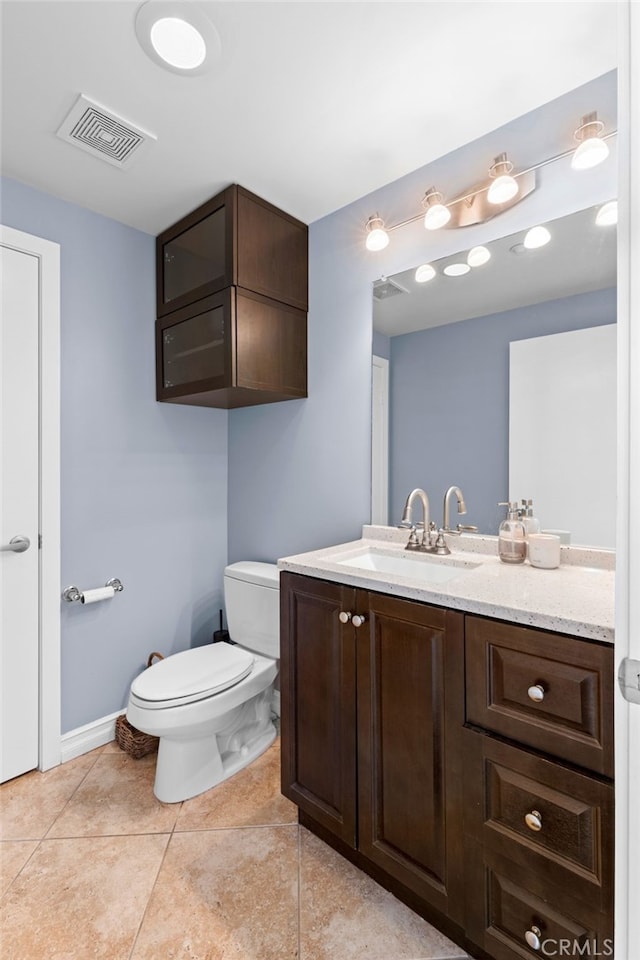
[
  {"x": 449, "y": 403},
  {"x": 381, "y": 345},
  {"x": 299, "y": 472},
  {"x": 144, "y": 484}
]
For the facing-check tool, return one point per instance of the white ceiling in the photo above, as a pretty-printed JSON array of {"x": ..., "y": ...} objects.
[{"x": 312, "y": 104}]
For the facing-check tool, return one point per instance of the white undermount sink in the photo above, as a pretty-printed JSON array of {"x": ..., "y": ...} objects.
[{"x": 424, "y": 567}]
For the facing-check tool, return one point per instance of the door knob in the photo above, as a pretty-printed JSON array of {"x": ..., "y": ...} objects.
[
  {"x": 533, "y": 820},
  {"x": 357, "y": 620},
  {"x": 532, "y": 936},
  {"x": 344, "y": 616},
  {"x": 16, "y": 545},
  {"x": 536, "y": 693}
]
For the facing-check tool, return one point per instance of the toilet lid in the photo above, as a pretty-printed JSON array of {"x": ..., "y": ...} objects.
[{"x": 193, "y": 674}]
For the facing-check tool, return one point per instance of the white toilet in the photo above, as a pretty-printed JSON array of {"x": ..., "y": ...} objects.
[{"x": 211, "y": 705}]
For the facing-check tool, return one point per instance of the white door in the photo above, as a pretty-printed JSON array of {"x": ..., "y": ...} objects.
[
  {"x": 379, "y": 440},
  {"x": 19, "y": 502}
]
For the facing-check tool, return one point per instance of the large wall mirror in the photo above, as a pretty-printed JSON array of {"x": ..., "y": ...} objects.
[{"x": 452, "y": 345}]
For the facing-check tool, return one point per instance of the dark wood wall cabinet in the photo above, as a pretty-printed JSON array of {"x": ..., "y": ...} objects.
[
  {"x": 465, "y": 763},
  {"x": 232, "y": 298}
]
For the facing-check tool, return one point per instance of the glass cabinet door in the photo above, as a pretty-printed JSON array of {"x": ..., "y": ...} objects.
[
  {"x": 194, "y": 349},
  {"x": 195, "y": 257}
]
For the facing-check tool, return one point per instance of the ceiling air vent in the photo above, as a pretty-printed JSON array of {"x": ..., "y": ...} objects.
[
  {"x": 384, "y": 289},
  {"x": 102, "y": 133}
]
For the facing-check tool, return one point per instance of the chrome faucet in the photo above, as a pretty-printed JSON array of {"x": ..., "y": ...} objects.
[
  {"x": 446, "y": 510},
  {"x": 414, "y": 543}
]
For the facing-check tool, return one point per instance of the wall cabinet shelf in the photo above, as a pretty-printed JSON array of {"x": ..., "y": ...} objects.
[
  {"x": 231, "y": 290},
  {"x": 410, "y": 743}
]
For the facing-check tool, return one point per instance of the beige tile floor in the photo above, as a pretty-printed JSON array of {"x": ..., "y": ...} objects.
[{"x": 93, "y": 867}]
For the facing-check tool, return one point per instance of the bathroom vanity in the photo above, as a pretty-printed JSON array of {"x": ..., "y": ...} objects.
[{"x": 447, "y": 725}]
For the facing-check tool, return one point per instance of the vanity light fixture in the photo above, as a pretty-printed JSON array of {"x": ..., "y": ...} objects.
[
  {"x": 607, "y": 215},
  {"x": 536, "y": 237},
  {"x": 456, "y": 269},
  {"x": 484, "y": 201},
  {"x": 377, "y": 236},
  {"x": 436, "y": 214},
  {"x": 504, "y": 186},
  {"x": 177, "y": 35},
  {"x": 592, "y": 149},
  {"x": 424, "y": 273},
  {"x": 478, "y": 256}
]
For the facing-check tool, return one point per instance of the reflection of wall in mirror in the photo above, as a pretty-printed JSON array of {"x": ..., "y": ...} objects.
[
  {"x": 562, "y": 389},
  {"x": 449, "y": 403}
]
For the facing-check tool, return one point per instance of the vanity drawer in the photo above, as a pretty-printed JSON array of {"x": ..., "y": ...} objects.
[
  {"x": 513, "y": 919},
  {"x": 553, "y": 821},
  {"x": 545, "y": 690}
]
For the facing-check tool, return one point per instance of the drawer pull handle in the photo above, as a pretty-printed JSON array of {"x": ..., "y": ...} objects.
[
  {"x": 357, "y": 620},
  {"x": 536, "y": 693},
  {"x": 533, "y": 820},
  {"x": 344, "y": 616},
  {"x": 532, "y": 937}
]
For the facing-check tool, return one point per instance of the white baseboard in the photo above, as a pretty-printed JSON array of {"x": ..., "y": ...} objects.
[{"x": 87, "y": 738}]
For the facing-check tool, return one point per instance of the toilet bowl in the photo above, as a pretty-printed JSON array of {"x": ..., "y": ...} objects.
[{"x": 211, "y": 706}]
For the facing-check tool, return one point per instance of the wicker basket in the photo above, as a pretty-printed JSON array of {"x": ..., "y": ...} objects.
[{"x": 134, "y": 742}]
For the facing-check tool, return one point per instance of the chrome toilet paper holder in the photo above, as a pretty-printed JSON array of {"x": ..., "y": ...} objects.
[{"x": 73, "y": 593}]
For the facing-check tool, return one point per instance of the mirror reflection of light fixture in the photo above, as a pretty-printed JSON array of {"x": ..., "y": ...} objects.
[
  {"x": 456, "y": 269},
  {"x": 424, "y": 273},
  {"x": 377, "y": 236},
  {"x": 504, "y": 186},
  {"x": 607, "y": 215},
  {"x": 436, "y": 214},
  {"x": 592, "y": 150},
  {"x": 536, "y": 237},
  {"x": 478, "y": 256}
]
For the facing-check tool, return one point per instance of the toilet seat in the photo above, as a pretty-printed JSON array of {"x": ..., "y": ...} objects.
[{"x": 191, "y": 675}]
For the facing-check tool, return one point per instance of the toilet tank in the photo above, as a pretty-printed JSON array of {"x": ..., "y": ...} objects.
[{"x": 252, "y": 602}]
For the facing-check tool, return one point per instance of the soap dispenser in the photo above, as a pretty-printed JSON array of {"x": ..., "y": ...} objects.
[
  {"x": 531, "y": 523},
  {"x": 512, "y": 536}
]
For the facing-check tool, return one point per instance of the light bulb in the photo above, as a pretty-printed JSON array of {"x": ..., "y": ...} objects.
[
  {"x": 436, "y": 215},
  {"x": 536, "y": 237},
  {"x": 457, "y": 269},
  {"x": 607, "y": 215},
  {"x": 592, "y": 149},
  {"x": 377, "y": 236},
  {"x": 504, "y": 186},
  {"x": 502, "y": 189},
  {"x": 589, "y": 154},
  {"x": 178, "y": 43},
  {"x": 424, "y": 273},
  {"x": 477, "y": 256}
]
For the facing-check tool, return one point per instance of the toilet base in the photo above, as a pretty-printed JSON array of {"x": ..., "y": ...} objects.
[{"x": 187, "y": 767}]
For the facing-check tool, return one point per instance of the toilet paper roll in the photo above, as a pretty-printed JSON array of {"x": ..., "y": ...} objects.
[{"x": 100, "y": 593}]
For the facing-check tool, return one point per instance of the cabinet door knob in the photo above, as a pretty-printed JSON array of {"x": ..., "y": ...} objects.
[
  {"x": 532, "y": 936},
  {"x": 533, "y": 820},
  {"x": 344, "y": 616},
  {"x": 536, "y": 693},
  {"x": 357, "y": 620}
]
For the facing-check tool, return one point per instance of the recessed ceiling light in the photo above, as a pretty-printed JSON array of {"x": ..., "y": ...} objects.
[
  {"x": 457, "y": 269},
  {"x": 178, "y": 36}
]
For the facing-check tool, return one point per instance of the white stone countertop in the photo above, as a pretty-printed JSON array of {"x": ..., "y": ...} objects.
[{"x": 576, "y": 598}]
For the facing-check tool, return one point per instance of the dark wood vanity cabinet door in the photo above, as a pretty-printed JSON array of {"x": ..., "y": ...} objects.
[
  {"x": 318, "y": 711},
  {"x": 410, "y": 716}
]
